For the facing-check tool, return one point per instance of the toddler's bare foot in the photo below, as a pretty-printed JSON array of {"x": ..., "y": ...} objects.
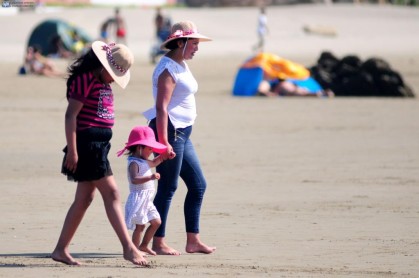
[
  {"x": 199, "y": 247},
  {"x": 64, "y": 257},
  {"x": 147, "y": 251},
  {"x": 134, "y": 255}
]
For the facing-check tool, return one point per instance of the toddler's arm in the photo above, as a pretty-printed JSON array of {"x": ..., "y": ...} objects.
[
  {"x": 144, "y": 179},
  {"x": 156, "y": 161},
  {"x": 135, "y": 179}
]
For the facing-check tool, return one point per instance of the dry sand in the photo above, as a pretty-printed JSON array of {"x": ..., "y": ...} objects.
[{"x": 296, "y": 187}]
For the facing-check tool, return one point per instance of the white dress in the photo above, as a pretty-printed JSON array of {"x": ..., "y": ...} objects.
[{"x": 139, "y": 208}]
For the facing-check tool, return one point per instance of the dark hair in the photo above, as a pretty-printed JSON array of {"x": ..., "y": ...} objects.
[
  {"x": 173, "y": 44},
  {"x": 85, "y": 63},
  {"x": 131, "y": 149}
]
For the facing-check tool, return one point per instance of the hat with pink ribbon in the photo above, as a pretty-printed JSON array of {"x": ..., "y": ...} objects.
[
  {"x": 184, "y": 29},
  {"x": 116, "y": 59}
]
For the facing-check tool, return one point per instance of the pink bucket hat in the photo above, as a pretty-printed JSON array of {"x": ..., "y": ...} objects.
[{"x": 143, "y": 135}]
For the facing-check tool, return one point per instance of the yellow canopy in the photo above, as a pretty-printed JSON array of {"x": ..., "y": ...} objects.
[{"x": 277, "y": 67}]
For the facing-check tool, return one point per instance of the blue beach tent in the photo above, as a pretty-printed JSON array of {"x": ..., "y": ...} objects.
[{"x": 271, "y": 67}]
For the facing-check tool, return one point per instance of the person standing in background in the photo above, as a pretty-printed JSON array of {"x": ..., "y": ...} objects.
[
  {"x": 114, "y": 28},
  {"x": 262, "y": 30},
  {"x": 104, "y": 29},
  {"x": 158, "y": 21},
  {"x": 121, "y": 29}
]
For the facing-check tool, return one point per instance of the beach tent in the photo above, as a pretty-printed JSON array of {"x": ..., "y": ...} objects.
[
  {"x": 49, "y": 31},
  {"x": 271, "y": 67}
]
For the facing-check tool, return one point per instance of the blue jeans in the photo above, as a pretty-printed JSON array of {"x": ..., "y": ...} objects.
[{"x": 185, "y": 165}]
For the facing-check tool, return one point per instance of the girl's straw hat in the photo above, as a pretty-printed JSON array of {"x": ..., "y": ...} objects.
[
  {"x": 116, "y": 59},
  {"x": 184, "y": 29},
  {"x": 143, "y": 135}
]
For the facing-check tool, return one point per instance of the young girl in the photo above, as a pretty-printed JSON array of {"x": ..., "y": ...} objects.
[
  {"x": 139, "y": 208},
  {"x": 88, "y": 122}
]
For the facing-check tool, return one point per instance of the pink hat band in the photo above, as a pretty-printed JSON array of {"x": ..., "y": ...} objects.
[{"x": 143, "y": 135}]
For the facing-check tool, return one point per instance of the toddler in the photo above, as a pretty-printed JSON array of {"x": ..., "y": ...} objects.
[{"x": 139, "y": 208}]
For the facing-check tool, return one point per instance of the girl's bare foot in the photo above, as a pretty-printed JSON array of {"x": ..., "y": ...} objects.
[
  {"x": 147, "y": 251},
  {"x": 161, "y": 248},
  {"x": 64, "y": 257},
  {"x": 199, "y": 247},
  {"x": 134, "y": 255}
]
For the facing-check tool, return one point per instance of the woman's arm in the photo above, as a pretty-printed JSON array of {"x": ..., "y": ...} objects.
[
  {"x": 165, "y": 86},
  {"x": 73, "y": 109}
]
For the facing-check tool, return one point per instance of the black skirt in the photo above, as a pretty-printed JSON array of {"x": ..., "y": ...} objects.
[{"x": 93, "y": 145}]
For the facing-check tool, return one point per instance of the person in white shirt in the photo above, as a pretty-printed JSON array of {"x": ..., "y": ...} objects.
[
  {"x": 262, "y": 30},
  {"x": 172, "y": 118}
]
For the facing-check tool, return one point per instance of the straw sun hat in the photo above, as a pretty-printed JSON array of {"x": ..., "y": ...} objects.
[
  {"x": 184, "y": 29},
  {"x": 116, "y": 59}
]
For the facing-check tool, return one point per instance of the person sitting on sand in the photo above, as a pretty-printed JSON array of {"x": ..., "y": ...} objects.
[
  {"x": 36, "y": 63},
  {"x": 287, "y": 88}
]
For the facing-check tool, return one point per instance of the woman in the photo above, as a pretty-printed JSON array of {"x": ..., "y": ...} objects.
[
  {"x": 172, "y": 119},
  {"x": 89, "y": 119}
]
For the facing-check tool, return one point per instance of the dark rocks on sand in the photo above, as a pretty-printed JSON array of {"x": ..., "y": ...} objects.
[{"x": 350, "y": 76}]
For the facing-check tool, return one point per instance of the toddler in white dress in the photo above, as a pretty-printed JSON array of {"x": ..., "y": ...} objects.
[{"x": 139, "y": 208}]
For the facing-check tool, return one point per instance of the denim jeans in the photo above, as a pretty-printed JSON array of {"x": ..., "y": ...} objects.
[{"x": 186, "y": 166}]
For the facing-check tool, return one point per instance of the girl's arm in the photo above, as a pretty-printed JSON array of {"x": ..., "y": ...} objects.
[
  {"x": 135, "y": 179},
  {"x": 165, "y": 86},
  {"x": 73, "y": 109},
  {"x": 156, "y": 161}
]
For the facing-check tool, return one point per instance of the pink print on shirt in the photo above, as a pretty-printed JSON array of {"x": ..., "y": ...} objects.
[{"x": 105, "y": 105}]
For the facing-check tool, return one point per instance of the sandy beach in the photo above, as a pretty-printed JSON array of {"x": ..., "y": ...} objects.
[{"x": 297, "y": 187}]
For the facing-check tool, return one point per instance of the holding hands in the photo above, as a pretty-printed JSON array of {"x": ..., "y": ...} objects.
[{"x": 169, "y": 154}]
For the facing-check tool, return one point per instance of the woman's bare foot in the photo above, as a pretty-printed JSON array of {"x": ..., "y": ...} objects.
[
  {"x": 161, "y": 248},
  {"x": 64, "y": 257},
  {"x": 195, "y": 245},
  {"x": 147, "y": 251},
  {"x": 166, "y": 250},
  {"x": 134, "y": 255},
  {"x": 199, "y": 247}
]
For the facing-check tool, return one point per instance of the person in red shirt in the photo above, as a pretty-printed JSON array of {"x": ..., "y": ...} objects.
[
  {"x": 89, "y": 119},
  {"x": 121, "y": 29}
]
